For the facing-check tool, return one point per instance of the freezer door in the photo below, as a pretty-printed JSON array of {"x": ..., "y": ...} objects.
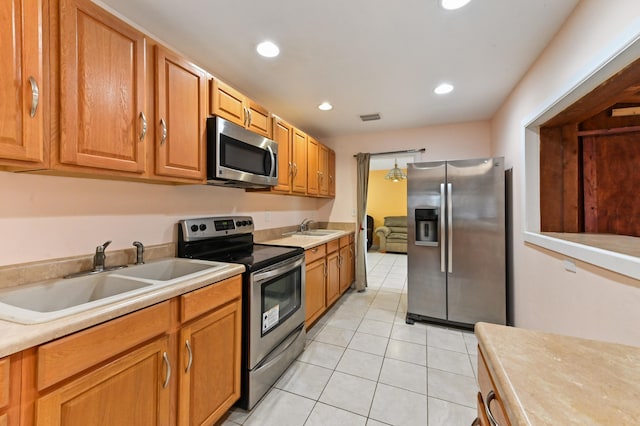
[
  {"x": 426, "y": 286},
  {"x": 476, "y": 251}
]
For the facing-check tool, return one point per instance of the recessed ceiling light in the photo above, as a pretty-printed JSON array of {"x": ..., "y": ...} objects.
[
  {"x": 443, "y": 89},
  {"x": 453, "y": 4},
  {"x": 268, "y": 49},
  {"x": 325, "y": 106}
]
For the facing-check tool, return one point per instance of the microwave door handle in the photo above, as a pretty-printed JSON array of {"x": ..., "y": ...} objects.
[{"x": 273, "y": 161}]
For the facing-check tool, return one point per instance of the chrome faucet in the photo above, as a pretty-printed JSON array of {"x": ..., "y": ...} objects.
[
  {"x": 99, "y": 258},
  {"x": 304, "y": 226},
  {"x": 139, "y": 252}
]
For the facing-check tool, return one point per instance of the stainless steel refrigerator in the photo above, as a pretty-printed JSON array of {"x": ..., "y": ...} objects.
[{"x": 456, "y": 242}]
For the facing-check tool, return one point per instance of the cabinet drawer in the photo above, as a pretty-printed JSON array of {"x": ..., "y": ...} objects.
[
  {"x": 203, "y": 300},
  {"x": 70, "y": 355},
  {"x": 344, "y": 241},
  {"x": 315, "y": 253},
  {"x": 333, "y": 245},
  {"x": 4, "y": 381},
  {"x": 486, "y": 386}
]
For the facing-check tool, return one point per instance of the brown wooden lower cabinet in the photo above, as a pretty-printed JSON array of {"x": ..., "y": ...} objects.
[
  {"x": 10, "y": 390},
  {"x": 128, "y": 391},
  {"x": 489, "y": 400},
  {"x": 330, "y": 272},
  {"x": 209, "y": 360},
  {"x": 176, "y": 362}
]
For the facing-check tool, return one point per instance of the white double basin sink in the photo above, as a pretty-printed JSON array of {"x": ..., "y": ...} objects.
[{"x": 58, "y": 298}]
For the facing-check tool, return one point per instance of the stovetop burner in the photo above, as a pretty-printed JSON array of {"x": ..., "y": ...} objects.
[{"x": 229, "y": 239}]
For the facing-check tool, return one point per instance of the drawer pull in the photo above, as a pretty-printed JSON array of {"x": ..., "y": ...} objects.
[
  {"x": 143, "y": 131},
  {"x": 165, "y": 357},
  {"x": 163, "y": 133},
  {"x": 487, "y": 408},
  {"x": 188, "y": 345}
]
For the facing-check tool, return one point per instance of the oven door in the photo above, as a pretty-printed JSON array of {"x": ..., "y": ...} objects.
[{"x": 276, "y": 306}]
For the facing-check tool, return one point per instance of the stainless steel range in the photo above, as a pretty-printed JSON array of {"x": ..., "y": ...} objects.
[{"x": 273, "y": 295}]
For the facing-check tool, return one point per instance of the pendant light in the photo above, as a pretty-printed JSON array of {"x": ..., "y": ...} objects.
[{"x": 395, "y": 174}]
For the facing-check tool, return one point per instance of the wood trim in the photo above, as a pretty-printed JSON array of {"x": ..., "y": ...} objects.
[
  {"x": 5, "y": 370},
  {"x": 608, "y": 132},
  {"x": 200, "y": 301},
  {"x": 73, "y": 354}
]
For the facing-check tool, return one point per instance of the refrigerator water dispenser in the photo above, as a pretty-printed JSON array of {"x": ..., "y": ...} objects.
[{"x": 426, "y": 226}]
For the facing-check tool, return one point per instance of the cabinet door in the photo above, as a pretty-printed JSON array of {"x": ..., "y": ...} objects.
[
  {"x": 132, "y": 390},
  {"x": 345, "y": 270},
  {"x": 103, "y": 116},
  {"x": 312, "y": 166},
  {"x": 299, "y": 162},
  {"x": 323, "y": 170},
  {"x": 333, "y": 277},
  {"x": 228, "y": 103},
  {"x": 259, "y": 119},
  {"x": 21, "y": 82},
  {"x": 209, "y": 367},
  {"x": 332, "y": 173},
  {"x": 181, "y": 91},
  {"x": 352, "y": 263},
  {"x": 283, "y": 136},
  {"x": 315, "y": 291}
]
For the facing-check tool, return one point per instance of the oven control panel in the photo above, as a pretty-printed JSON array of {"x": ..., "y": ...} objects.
[{"x": 211, "y": 227}]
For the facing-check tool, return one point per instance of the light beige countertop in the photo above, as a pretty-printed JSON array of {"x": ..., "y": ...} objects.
[
  {"x": 15, "y": 337},
  {"x": 305, "y": 241},
  {"x": 547, "y": 379}
]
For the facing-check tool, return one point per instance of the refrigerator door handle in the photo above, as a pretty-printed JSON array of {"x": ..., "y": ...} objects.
[
  {"x": 450, "y": 226},
  {"x": 442, "y": 252}
]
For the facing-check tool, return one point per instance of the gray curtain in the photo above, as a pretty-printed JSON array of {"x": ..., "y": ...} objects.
[{"x": 361, "y": 221}]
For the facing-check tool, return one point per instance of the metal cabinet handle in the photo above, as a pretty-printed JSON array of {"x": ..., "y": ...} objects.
[
  {"x": 442, "y": 222},
  {"x": 450, "y": 227},
  {"x": 250, "y": 115},
  {"x": 35, "y": 96},
  {"x": 294, "y": 171},
  {"x": 190, "y": 362},
  {"x": 245, "y": 120},
  {"x": 487, "y": 408},
  {"x": 165, "y": 357},
  {"x": 163, "y": 137},
  {"x": 143, "y": 118},
  {"x": 340, "y": 260},
  {"x": 290, "y": 168}
]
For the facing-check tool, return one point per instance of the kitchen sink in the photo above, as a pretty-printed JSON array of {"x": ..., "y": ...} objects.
[
  {"x": 48, "y": 300},
  {"x": 58, "y": 298},
  {"x": 171, "y": 269}
]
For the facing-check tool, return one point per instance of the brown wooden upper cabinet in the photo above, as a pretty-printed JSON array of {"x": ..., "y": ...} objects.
[
  {"x": 323, "y": 170},
  {"x": 332, "y": 173},
  {"x": 299, "y": 183},
  {"x": 181, "y": 114},
  {"x": 283, "y": 136},
  {"x": 21, "y": 84},
  {"x": 312, "y": 166},
  {"x": 101, "y": 88},
  {"x": 232, "y": 105}
]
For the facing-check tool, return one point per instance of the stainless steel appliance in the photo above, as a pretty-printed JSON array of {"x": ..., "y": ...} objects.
[
  {"x": 456, "y": 242},
  {"x": 273, "y": 332},
  {"x": 239, "y": 158}
]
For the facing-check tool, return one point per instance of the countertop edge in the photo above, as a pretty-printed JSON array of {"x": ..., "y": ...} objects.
[
  {"x": 305, "y": 242},
  {"x": 17, "y": 337}
]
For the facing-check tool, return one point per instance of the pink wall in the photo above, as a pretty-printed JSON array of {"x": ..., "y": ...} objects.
[
  {"x": 592, "y": 302},
  {"x": 45, "y": 217},
  {"x": 443, "y": 142}
]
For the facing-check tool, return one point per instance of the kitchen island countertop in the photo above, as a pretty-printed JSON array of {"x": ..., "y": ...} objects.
[{"x": 548, "y": 379}]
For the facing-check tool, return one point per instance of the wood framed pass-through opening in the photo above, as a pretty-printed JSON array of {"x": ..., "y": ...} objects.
[{"x": 589, "y": 157}]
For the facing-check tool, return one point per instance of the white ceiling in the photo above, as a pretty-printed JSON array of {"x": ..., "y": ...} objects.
[{"x": 364, "y": 56}]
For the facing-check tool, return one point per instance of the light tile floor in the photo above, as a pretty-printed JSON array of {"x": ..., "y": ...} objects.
[{"x": 362, "y": 365}]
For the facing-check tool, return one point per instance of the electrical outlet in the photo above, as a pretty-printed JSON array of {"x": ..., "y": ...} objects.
[
  {"x": 353, "y": 213},
  {"x": 267, "y": 216},
  {"x": 569, "y": 265}
]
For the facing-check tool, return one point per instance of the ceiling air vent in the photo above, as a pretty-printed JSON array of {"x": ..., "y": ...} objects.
[{"x": 370, "y": 117}]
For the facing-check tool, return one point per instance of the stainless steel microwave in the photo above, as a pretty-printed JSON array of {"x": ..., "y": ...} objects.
[{"x": 239, "y": 158}]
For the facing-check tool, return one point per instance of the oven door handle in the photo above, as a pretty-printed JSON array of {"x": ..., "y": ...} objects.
[{"x": 288, "y": 266}]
